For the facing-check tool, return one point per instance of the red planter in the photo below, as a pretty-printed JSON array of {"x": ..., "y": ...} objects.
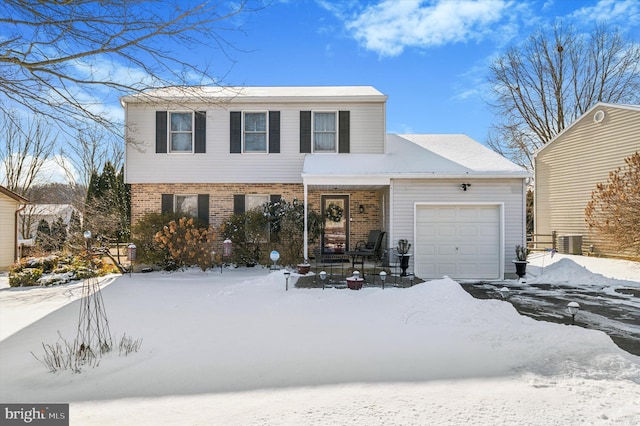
[
  {"x": 303, "y": 269},
  {"x": 355, "y": 283}
]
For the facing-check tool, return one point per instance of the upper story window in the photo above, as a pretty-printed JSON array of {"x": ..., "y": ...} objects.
[
  {"x": 181, "y": 132},
  {"x": 255, "y": 132},
  {"x": 324, "y": 132}
]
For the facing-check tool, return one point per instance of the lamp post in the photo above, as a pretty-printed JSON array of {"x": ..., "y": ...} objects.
[
  {"x": 286, "y": 277},
  {"x": 573, "y": 308},
  {"x": 383, "y": 277},
  {"x": 323, "y": 276}
]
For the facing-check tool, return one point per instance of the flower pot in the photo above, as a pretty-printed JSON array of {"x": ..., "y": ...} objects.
[
  {"x": 521, "y": 267},
  {"x": 303, "y": 268},
  {"x": 355, "y": 283}
]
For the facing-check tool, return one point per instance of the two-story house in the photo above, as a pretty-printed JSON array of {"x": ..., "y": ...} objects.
[{"x": 213, "y": 151}]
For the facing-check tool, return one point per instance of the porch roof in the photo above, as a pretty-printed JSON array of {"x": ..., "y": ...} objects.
[{"x": 411, "y": 156}]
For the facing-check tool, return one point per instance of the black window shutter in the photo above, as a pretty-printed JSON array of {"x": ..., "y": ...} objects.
[
  {"x": 238, "y": 203},
  {"x": 274, "y": 132},
  {"x": 201, "y": 132},
  {"x": 343, "y": 131},
  {"x": 203, "y": 208},
  {"x": 305, "y": 131},
  {"x": 167, "y": 203},
  {"x": 235, "y": 137},
  {"x": 161, "y": 132}
]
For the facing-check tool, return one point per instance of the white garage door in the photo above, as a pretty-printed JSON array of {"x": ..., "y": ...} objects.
[{"x": 459, "y": 241}]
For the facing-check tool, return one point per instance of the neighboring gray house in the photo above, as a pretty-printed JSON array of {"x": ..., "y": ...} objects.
[
  {"x": 568, "y": 168},
  {"x": 214, "y": 151}
]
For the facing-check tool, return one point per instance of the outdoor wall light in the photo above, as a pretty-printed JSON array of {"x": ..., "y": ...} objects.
[
  {"x": 464, "y": 186},
  {"x": 573, "y": 308},
  {"x": 361, "y": 208}
]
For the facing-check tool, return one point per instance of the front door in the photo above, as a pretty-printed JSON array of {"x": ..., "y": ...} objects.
[{"x": 335, "y": 210}]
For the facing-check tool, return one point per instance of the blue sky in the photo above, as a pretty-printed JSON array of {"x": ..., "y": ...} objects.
[{"x": 430, "y": 57}]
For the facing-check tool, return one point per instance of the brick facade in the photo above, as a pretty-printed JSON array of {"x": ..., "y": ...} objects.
[{"x": 146, "y": 198}]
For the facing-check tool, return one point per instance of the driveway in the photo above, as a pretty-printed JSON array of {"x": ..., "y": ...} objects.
[{"x": 614, "y": 311}]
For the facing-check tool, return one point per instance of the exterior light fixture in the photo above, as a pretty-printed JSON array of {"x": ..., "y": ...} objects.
[
  {"x": 504, "y": 292},
  {"x": 274, "y": 256},
  {"x": 464, "y": 186},
  {"x": 286, "y": 277},
  {"x": 361, "y": 208},
  {"x": 573, "y": 308},
  {"x": 383, "y": 277},
  {"x": 87, "y": 238},
  {"x": 323, "y": 276}
]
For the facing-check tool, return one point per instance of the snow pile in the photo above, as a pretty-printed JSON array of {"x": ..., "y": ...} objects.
[
  {"x": 566, "y": 271},
  {"x": 236, "y": 348}
]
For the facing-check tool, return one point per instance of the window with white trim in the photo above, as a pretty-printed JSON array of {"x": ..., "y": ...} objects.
[
  {"x": 255, "y": 132},
  {"x": 325, "y": 132},
  {"x": 181, "y": 132},
  {"x": 187, "y": 204}
]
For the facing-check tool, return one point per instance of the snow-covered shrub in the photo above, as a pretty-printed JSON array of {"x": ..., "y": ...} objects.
[{"x": 24, "y": 277}]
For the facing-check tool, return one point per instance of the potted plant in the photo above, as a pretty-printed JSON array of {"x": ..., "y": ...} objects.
[
  {"x": 354, "y": 282},
  {"x": 403, "y": 252},
  {"x": 521, "y": 260},
  {"x": 304, "y": 267}
]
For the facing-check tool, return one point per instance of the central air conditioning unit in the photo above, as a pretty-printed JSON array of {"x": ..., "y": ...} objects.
[{"x": 570, "y": 244}]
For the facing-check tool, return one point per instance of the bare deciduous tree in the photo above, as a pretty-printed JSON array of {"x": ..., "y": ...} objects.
[
  {"x": 614, "y": 206},
  {"x": 545, "y": 84},
  {"x": 55, "y": 55},
  {"x": 27, "y": 146}
]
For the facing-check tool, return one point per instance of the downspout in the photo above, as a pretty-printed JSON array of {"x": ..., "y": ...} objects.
[{"x": 15, "y": 234}]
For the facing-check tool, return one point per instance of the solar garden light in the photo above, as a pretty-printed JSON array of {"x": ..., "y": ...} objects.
[
  {"x": 286, "y": 277},
  {"x": 274, "y": 256},
  {"x": 356, "y": 274},
  {"x": 504, "y": 292},
  {"x": 87, "y": 238},
  {"x": 573, "y": 308},
  {"x": 383, "y": 276},
  {"x": 323, "y": 276}
]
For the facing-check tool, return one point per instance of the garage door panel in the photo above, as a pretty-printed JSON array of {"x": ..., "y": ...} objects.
[{"x": 458, "y": 241}]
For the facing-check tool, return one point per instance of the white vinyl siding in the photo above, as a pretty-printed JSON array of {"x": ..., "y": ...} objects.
[
  {"x": 570, "y": 167},
  {"x": 406, "y": 194},
  {"x": 7, "y": 231},
  {"x": 219, "y": 165}
]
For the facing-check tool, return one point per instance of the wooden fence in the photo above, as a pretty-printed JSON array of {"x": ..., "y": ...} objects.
[{"x": 542, "y": 242}]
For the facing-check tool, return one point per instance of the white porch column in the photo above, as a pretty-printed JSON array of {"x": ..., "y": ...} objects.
[{"x": 305, "y": 232}]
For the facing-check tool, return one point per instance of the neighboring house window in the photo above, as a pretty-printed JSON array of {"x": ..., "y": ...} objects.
[
  {"x": 324, "y": 132},
  {"x": 255, "y": 132},
  {"x": 181, "y": 132},
  {"x": 191, "y": 204},
  {"x": 321, "y": 132}
]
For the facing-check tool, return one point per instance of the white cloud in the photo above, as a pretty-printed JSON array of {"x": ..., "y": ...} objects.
[
  {"x": 620, "y": 11},
  {"x": 390, "y": 26}
]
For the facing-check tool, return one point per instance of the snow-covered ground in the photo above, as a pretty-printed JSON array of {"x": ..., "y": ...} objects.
[{"x": 236, "y": 349}]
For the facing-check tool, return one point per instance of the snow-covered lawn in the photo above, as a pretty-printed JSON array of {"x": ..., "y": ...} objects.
[{"x": 236, "y": 349}]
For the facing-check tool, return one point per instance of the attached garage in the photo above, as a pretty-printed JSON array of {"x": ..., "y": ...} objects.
[{"x": 461, "y": 241}]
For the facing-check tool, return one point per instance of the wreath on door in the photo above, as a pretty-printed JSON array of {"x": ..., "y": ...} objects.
[{"x": 334, "y": 212}]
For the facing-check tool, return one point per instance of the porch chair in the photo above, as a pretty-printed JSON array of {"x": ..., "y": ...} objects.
[{"x": 371, "y": 248}]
